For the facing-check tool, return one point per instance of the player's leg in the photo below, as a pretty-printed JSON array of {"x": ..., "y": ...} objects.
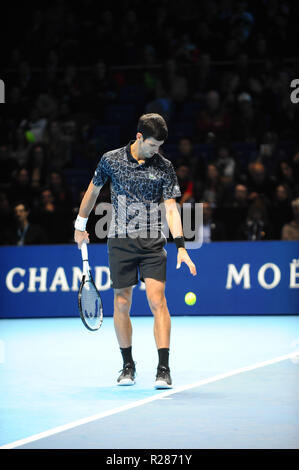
[
  {"x": 121, "y": 316},
  {"x": 124, "y": 274},
  {"x": 155, "y": 291},
  {"x": 123, "y": 330}
]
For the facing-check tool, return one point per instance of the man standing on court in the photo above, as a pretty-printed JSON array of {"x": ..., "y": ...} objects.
[{"x": 139, "y": 176}]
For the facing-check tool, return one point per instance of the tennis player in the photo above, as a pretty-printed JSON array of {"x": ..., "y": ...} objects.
[{"x": 140, "y": 177}]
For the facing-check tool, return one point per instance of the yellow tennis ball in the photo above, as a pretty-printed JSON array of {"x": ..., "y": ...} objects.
[{"x": 190, "y": 298}]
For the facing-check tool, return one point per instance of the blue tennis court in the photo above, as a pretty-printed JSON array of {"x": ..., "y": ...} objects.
[{"x": 235, "y": 385}]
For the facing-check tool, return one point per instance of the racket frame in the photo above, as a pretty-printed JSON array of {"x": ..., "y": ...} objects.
[{"x": 87, "y": 275}]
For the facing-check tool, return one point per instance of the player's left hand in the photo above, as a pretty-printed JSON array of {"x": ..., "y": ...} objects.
[{"x": 183, "y": 257}]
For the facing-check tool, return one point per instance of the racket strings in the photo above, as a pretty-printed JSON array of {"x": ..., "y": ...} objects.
[{"x": 90, "y": 304}]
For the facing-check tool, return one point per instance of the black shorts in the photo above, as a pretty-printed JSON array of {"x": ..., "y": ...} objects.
[{"x": 128, "y": 255}]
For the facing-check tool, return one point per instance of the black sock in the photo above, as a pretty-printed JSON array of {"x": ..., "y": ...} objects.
[
  {"x": 127, "y": 355},
  {"x": 163, "y": 356}
]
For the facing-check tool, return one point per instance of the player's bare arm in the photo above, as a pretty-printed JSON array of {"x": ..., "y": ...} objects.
[
  {"x": 86, "y": 207},
  {"x": 175, "y": 226}
]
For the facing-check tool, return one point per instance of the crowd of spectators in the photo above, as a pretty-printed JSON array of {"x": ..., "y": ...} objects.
[{"x": 220, "y": 74}]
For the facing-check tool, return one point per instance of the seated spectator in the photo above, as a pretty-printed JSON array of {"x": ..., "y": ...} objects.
[
  {"x": 130, "y": 32},
  {"x": 228, "y": 84},
  {"x": 50, "y": 73},
  {"x": 248, "y": 124},
  {"x": 258, "y": 181},
  {"x": 234, "y": 212},
  {"x": 25, "y": 233},
  {"x": 20, "y": 147},
  {"x": 150, "y": 79},
  {"x": 38, "y": 166},
  {"x": 59, "y": 189},
  {"x": 171, "y": 89},
  {"x": 242, "y": 21},
  {"x": 286, "y": 176},
  {"x": 46, "y": 105},
  {"x": 203, "y": 77},
  {"x": 226, "y": 165},
  {"x": 21, "y": 189},
  {"x": 56, "y": 221},
  {"x": 211, "y": 190},
  {"x": 212, "y": 230},
  {"x": 290, "y": 231},
  {"x": 280, "y": 210},
  {"x": 269, "y": 154},
  {"x": 225, "y": 162},
  {"x": 203, "y": 35},
  {"x": 185, "y": 183},
  {"x": 167, "y": 37},
  {"x": 161, "y": 104},
  {"x": 260, "y": 47},
  {"x": 174, "y": 82},
  {"x": 230, "y": 49},
  {"x": 256, "y": 226},
  {"x": 213, "y": 119},
  {"x": 67, "y": 122},
  {"x": 58, "y": 145},
  {"x": 240, "y": 196},
  {"x": 105, "y": 27},
  {"x": 103, "y": 85},
  {"x": 186, "y": 156},
  {"x": 69, "y": 84},
  {"x": 187, "y": 50}
]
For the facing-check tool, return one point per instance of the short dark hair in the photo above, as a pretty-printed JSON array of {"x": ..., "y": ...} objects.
[
  {"x": 22, "y": 203},
  {"x": 152, "y": 125}
]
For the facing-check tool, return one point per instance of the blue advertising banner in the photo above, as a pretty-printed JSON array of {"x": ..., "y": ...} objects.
[{"x": 240, "y": 278}]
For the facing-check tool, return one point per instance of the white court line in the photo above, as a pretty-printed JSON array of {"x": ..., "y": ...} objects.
[{"x": 135, "y": 404}]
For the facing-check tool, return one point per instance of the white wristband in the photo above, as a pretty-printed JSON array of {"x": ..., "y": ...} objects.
[{"x": 80, "y": 223}]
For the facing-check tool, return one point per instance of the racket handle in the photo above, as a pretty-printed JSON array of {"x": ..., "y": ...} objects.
[{"x": 84, "y": 252}]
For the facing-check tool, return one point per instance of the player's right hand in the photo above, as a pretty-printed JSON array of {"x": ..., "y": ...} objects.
[
  {"x": 81, "y": 237},
  {"x": 183, "y": 257}
]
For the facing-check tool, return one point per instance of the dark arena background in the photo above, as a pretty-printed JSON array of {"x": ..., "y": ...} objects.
[{"x": 75, "y": 77}]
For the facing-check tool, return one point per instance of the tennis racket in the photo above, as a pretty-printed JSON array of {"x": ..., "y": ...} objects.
[{"x": 89, "y": 299}]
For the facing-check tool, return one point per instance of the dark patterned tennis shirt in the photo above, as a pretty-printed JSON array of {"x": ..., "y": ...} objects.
[{"x": 136, "y": 190}]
